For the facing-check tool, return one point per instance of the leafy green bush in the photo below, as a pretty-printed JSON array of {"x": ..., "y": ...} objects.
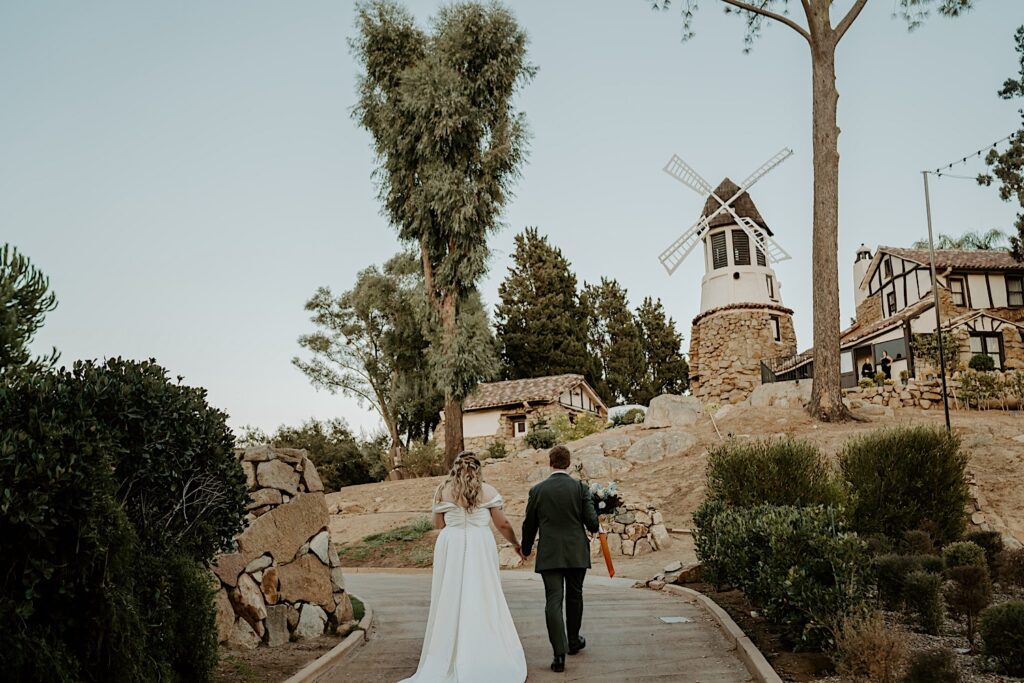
[
  {"x": 629, "y": 417},
  {"x": 890, "y": 572},
  {"x": 917, "y": 542},
  {"x": 540, "y": 435},
  {"x": 1002, "y": 634},
  {"x": 963, "y": 554},
  {"x": 797, "y": 564},
  {"x": 933, "y": 666},
  {"x": 424, "y": 460},
  {"x": 1013, "y": 384},
  {"x": 922, "y": 595},
  {"x": 1011, "y": 567},
  {"x": 497, "y": 450},
  {"x": 866, "y": 383},
  {"x": 906, "y": 478},
  {"x": 982, "y": 362},
  {"x": 978, "y": 388},
  {"x": 584, "y": 424},
  {"x": 779, "y": 472},
  {"x": 992, "y": 543},
  {"x": 968, "y": 592}
]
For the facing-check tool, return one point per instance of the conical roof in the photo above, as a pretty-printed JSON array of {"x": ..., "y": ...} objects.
[{"x": 742, "y": 205}]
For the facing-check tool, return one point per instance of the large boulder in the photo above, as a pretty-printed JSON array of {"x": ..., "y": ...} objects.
[
  {"x": 781, "y": 394},
  {"x": 306, "y": 579},
  {"x": 312, "y": 620},
  {"x": 670, "y": 410},
  {"x": 283, "y": 530},
  {"x": 602, "y": 466},
  {"x": 656, "y": 446}
]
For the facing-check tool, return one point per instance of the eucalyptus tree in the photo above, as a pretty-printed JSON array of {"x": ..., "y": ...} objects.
[
  {"x": 449, "y": 143},
  {"x": 822, "y": 36},
  {"x": 25, "y": 299}
]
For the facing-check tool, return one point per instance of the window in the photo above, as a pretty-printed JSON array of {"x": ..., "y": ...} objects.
[
  {"x": 1015, "y": 290},
  {"x": 776, "y": 326},
  {"x": 988, "y": 344},
  {"x": 740, "y": 248},
  {"x": 719, "y": 258},
  {"x": 761, "y": 260},
  {"x": 771, "y": 286},
  {"x": 518, "y": 426},
  {"x": 890, "y": 301},
  {"x": 887, "y": 267},
  {"x": 956, "y": 288}
]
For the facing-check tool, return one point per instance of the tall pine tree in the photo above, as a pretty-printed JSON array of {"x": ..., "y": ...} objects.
[
  {"x": 667, "y": 369},
  {"x": 538, "y": 321},
  {"x": 616, "y": 339}
]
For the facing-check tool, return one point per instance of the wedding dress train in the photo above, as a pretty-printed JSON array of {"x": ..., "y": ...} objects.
[{"x": 470, "y": 635}]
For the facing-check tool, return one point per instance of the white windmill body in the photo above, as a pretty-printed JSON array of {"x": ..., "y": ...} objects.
[{"x": 742, "y": 320}]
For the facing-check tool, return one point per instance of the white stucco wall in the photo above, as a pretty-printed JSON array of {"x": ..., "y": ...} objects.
[
  {"x": 481, "y": 423},
  {"x": 721, "y": 286}
]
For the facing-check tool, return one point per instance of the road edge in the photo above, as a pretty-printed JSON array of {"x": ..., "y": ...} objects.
[{"x": 327, "y": 661}]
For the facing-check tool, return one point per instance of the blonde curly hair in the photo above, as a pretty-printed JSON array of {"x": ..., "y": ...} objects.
[{"x": 465, "y": 481}]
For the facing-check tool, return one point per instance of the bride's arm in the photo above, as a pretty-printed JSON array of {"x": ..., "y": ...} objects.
[
  {"x": 504, "y": 527},
  {"x": 439, "y": 520}
]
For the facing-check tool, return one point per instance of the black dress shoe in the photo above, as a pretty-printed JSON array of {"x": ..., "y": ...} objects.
[
  {"x": 582, "y": 643},
  {"x": 558, "y": 664}
]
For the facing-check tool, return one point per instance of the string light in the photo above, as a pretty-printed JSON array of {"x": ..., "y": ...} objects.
[{"x": 939, "y": 171}]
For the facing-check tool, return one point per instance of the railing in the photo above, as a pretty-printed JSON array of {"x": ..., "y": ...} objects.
[{"x": 787, "y": 368}]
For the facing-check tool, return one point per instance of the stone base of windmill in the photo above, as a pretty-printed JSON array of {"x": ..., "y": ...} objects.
[{"x": 636, "y": 529}]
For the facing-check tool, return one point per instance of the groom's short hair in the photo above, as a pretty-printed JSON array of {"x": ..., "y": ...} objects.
[{"x": 558, "y": 458}]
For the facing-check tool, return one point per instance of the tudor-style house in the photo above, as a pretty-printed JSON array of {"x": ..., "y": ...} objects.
[
  {"x": 504, "y": 411},
  {"x": 981, "y": 295}
]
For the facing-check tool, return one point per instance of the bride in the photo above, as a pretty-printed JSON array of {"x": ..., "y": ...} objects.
[{"x": 470, "y": 635}]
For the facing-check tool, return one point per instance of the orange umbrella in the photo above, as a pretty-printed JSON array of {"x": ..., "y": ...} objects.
[{"x": 603, "y": 537}]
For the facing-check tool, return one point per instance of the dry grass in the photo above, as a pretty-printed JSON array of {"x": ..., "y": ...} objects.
[{"x": 868, "y": 649}]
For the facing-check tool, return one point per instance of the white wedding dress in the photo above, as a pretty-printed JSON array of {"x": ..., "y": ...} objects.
[{"x": 470, "y": 635}]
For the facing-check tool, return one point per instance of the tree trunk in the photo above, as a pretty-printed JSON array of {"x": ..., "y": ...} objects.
[
  {"x": 453, "y": 440},
  {"x": 826, "y": 394}
]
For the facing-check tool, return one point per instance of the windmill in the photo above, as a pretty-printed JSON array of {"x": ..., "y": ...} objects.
[{"x": 677, "y": 252}]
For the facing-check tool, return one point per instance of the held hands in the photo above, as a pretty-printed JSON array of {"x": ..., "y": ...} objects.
[{"x": 519, "y": 551}]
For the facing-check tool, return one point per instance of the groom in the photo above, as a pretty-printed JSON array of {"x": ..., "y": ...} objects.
[{"x": 560, "y": 507}]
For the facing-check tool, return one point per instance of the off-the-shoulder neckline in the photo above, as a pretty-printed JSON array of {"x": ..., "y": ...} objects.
[{"x": 459, "y": 507}]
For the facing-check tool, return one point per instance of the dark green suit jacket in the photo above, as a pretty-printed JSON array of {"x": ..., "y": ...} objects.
[{"x": 560, "y": 507}]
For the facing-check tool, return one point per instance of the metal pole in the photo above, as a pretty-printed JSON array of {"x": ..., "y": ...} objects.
[{"x": 935, "y": 293}]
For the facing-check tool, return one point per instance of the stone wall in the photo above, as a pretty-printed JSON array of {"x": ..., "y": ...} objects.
[
  {"x": 636, "y": 529},
  {"x": 284, "y": 580},
  {"x": 727, "y": 346},
  {"x": 924, "y": 394}
]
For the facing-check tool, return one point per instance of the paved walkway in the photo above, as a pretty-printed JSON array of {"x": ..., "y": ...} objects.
[{"x": 626, "y": 639}]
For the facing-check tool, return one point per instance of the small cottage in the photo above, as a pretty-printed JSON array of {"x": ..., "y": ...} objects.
[{"x": 505, "y": 411}]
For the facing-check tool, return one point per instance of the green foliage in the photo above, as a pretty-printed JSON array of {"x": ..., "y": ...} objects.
[
  {"x": 407, "y": 532},
  {"x": 933, "y": 666},
  {"x": 1011, "y": 567},
  {"x": 866, "y": 383},
  {"x": 978, "y": 388},
  {"x": 497, "y": 450},
  {"x": 906, "y": 478},
  {"x": 982, "y": 362},
  {"x": 424, "y": 460},
  {"x": 25, "y": 299},
  {"x": 963, "y": 554},
  {"x": 992, "y": 543},
  {"x": 926, "y": 348},
  {"x": 1013, "y": 385},
  {"x": 630, "y": 417},
  {"x": 540, "y": 435},
  {"x": 1002, "y": 634},
  {"x": 917, "y": 542},
  {"x": 583, "y": 425},
  {"x": 798, "y": 565},
  {"x": 667, "y": 371},
  {"x": 538, "y": 319},
  {"x": 922, "y": 595},
  {"x": 779, "y": 472},
  {"x": 458, "y": 365},
  {"x": 616, "y": 338},
  {"x": 1008, "y": 165},
  {"x": 990, "y": 240},
  {"x": 968, "y": 592},
  {"x": 358, "y": 608},
  {"x": 891, "y": 572}
]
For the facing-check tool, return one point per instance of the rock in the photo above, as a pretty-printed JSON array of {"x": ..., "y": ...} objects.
[
  {"x": 614, "y": 544},
  {"x": 508, "y": 558},
  {"x": 625, "y": 518},
  {"x": 978, "y": 518},
  {"x": 292, "y": 456},
  {"x": 277, "y": 625},
  {"x": 670, "y": 410},
  {"x": 318, "y": 545},
  {"x": 310, "y": 477},
  {"x": 270, "y": 586},
  {"x": 261, "y": 562},
  {"x": 312, "y": 620},
  {"x": 610, "y": 443},
  {"x": 260, "y": 453},
  {"x": 293, "y": 618},
  {"x": 538, "y": 473},
  {"x": 635, "y": 531},
  {"x": 643, "y": 518},
  {"x": 262, "y": 497},
  {"x": 673, "y": 567},
  {"x": 228, "y": 567},
  {"x": 250, "y": 475},
  {"x": 724, "y": 411},
  {"x": 243, "y": 636},
  {"x": 306, "y": 580},
  {"x": 332, "y": 554},
  {"x": 284, "y": 529},
  {"x": 794, "y": 393},
  {"x": 602, "y": 466},
  {"x": 1019, "y": 438},
  {"x": 691, "y": 573},
  {"x": 595, "y": 547},
  {"x": 656, "y": 585},
  {"x": 628, "y": 547},
  {"x": 248, "y": 601},
  {"x": 527, "y": 453},
  {"x": 337, "y": 579},
  {"x": 225, "y": 615},
  {"x": 343, "y": 611},
  {"x": 643, "y": 546},
  {"x": 656, "y": 518},
  {"x": 660, "y": 537},
  {"x": 588, "y": 451},
  {"x": 657, "y": 446},
  {"x": 277, "y": 474}
]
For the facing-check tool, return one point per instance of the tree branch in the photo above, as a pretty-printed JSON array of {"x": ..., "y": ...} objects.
[
  {"x": 782, "y": 19},
  {"x": 848, "y": 20}
]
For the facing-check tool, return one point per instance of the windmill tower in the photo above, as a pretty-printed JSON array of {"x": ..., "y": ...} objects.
[{"x": 742, "y": 320}]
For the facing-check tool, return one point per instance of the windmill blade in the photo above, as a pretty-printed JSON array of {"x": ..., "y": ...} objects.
[
  {"x": 681, "y": 171},
  {"x": 681, "y": 248},
  {"x": 772, "y": 249},
  {"x": 782, "y": 155}
]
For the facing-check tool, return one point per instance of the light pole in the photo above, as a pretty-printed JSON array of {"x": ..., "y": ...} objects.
[{"x": 935, "y": 293}]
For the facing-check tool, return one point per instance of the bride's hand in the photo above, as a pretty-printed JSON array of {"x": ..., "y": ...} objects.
[{"x": 519, "y": 551}]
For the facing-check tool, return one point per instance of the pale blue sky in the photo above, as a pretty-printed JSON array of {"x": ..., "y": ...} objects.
[{"x": 188, "y": 173}]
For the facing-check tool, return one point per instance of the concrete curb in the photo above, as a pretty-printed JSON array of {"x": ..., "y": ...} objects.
[
  {"x": 751, "y": 657},
  {"x": 327, "y": 661}
]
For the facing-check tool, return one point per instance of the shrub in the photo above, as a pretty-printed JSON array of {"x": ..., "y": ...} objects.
[
  {"x": 540, "y": 435},
  {"x": 922, "y": 595},
  {"x": 424, "y": 460},
  {"x": 1011, "y": 567},
  {"x": 992, "y": 543},
  {"x": 867, "y": 648},
  {"x": 1013, "y": 382},
  {"x": 340, "y": 458},
  {"x": 878, "y": 544},
  {"x": 797, "y": 564},
  {"x": 963, "y": 554},
  {"x": 866, "y": 383},
  {"x": 982, "y": 362},
  {"x": 497, "y": 450},
  {"x": 906, "y": 478},
  {"x": 917, "y": 542},
  {"x": 933, "y": 666},
  {"x": 890, "y": 573},
  {"x": 879, "y": 378},
  {"x": 779, "y": 472},
  {"x": 931, "y": 563},
  {"x": 968, "y": 592},
  {"x": 1002, "y": 635},
  {"x": 977, "y": 388},
  {"x": 633, "y": 416},
  {"x": 583, "y": 425}
]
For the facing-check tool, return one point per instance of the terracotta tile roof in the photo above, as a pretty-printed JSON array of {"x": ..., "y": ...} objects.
[
  {"x": 858, "y": 331},
  {"x": 743, "y": 206},
  {"x": 960, "y": 259},
  {"x": 511, "y": 392}
]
